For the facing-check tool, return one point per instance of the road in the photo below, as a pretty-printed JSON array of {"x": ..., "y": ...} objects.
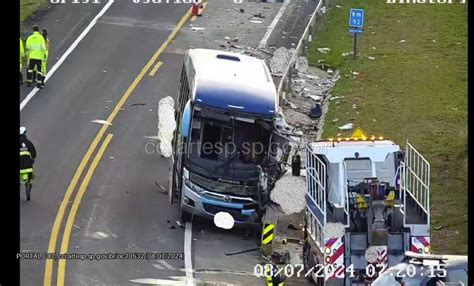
[
  {"x": 122, "y": 209},
  {"x": 98, "y": 187}
]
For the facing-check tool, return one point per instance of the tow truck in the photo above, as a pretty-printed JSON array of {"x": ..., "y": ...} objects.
[{"x": 367, "y": 204}]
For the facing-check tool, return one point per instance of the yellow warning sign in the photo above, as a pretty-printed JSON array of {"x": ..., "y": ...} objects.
[{"x": 359, "y": 134}]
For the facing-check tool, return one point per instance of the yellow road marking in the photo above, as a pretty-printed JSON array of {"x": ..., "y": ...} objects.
[
  {"x": 59, "y": 216},
  {"x": 75, "y": 207},
  {"x": 155, "y": 68}
]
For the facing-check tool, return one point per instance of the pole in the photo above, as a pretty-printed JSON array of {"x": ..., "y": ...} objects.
[{"x": 354, "y": 50}]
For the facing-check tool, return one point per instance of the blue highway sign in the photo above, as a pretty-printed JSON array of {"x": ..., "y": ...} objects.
[{"x": 356, "y": 18}]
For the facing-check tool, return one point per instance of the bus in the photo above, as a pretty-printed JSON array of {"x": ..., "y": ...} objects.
[{"x": 226, "y": 145}]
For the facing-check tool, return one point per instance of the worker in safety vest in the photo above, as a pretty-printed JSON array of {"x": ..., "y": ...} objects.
[
  {"x": 22, "y": 55},
  {"x": 272, "y": 275},
  {"x": 27, "y": 158},
  {"x": 44, "y": 32},
  {"x": 36, "y": 52}
]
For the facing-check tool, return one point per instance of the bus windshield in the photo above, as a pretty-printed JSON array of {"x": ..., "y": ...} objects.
[{"x": 232, "y": 149}]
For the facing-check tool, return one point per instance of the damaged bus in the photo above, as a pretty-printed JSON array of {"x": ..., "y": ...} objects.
[{"x": 226, "y": 144}]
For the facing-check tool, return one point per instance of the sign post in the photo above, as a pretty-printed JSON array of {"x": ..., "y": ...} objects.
[{"x": 356, "y": 23}]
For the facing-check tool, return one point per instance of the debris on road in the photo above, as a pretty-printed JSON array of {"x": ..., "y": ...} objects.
[
  {"x": 163, "y": 190},
  {"x": 256, "y": 21},
  {"x": 371, "y": 58},
  {"x": 100, "y": 121},
  {"x": 197, "y": 29},
  {"x": 224, "y": 220},
  {"x": 348, "y": 126}
]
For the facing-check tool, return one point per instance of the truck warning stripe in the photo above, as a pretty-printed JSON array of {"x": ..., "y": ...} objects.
[
  {"x": 268, "y": 233},
  {"x": 337, "y": 254}
]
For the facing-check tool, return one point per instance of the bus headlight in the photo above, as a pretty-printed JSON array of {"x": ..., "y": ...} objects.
[{"x": 193, "y": 186}]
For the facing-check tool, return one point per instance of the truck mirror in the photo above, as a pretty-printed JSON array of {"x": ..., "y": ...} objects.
[{"x": 186, "y": 120}]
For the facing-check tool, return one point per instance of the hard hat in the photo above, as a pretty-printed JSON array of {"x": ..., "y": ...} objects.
[
  {"x": 22, "y": 130},
  {"x": 35, "y": 28}
]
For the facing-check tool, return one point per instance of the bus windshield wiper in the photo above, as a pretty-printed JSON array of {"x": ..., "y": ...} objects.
[{"x": 223, "y": 164}]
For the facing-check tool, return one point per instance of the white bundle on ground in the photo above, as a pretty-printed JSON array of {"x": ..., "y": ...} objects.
[
  {"x": 334, "y": 230},
  {"x": 166, "y": 125},
  {"x": 289, "y": 193}
]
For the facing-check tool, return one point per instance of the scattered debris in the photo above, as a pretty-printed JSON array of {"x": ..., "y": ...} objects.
[
  {"x": 438, "y": 227},
  {"x": 316, "y": 111},
  {"x": 338, "y": 6},
  {"x": 172, "y": 227},
  {"x": 179, "y": 224},
  {"x": 402, "y": 41},
  {"x": 348, "y": 126},
  {"x": 242, "y": 10},
  {"x": 346, "y": 54},
  {"x": 374, "y": 48},
  {"x": 324, "y": 50},
  {"x": 197, "y": 29},
  {"x": 100, "y": 121},
  {"x": 434, "y": 41},
  {"x": 259, "y": 15},
  {"x": 371, "y": 58},
  {"x": 355, "y": 73},
  {"x": 137, "y": 104},
  {"x": 292, "y": 226},
  {"x": 256, "y": 21},
  {"x": 163, "y": 190}
]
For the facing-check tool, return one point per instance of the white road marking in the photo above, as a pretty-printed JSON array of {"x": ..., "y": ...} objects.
[
  {"x": 68, "y": 52},
  {"x": 272, "y": 26},
  {"x": 188, "y": 264},
  {"x": 153, "y": 281}
]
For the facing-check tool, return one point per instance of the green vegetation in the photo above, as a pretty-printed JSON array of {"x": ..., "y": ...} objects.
[
  {"x": 415, "y": 89},
  {"x": 29, "y": 7}
]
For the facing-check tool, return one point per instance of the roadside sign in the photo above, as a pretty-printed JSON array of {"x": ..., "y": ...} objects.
[{"x": 356, "y": 18}]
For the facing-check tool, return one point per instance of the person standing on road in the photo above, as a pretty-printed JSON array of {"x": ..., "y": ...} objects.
[
  {"x": 35, "y": 51},
  {"x": 22, "y": 55},
  {"x": 44, "y": 32},
  {"x": 27, "y": 158}
]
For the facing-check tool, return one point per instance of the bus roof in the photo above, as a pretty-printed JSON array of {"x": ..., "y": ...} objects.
[{"x": 233, "y": 81}]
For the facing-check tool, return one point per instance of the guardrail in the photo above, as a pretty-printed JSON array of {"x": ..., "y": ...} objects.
[{"x": 285, "y": 80}]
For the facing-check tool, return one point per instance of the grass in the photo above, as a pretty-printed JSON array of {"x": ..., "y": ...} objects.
[
  {"x": 414, "y": 90},
  {"x": 29, "y": 7}
]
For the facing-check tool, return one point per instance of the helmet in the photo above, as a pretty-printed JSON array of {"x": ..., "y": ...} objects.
[{"x": 22, "y": 130}]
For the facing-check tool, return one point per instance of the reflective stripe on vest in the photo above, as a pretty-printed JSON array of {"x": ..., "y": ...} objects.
[
  {"x": 25, "y": 153},
  {"x": 27, "y": 170}
]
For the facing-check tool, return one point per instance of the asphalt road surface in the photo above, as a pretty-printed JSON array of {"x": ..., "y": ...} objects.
[{"x": 99, "y": 187}]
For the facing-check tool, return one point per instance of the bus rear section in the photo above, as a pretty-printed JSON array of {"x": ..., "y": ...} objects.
[
  {"x": 222, "y": 146},
  {"x": 367, "y": 203}
]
